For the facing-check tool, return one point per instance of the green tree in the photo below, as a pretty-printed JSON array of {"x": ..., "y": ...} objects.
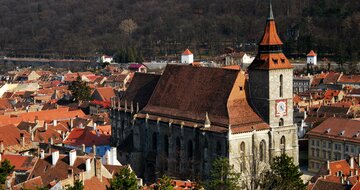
[
  {"x": 164, "y": 183},
  {"x": 222, "y": 176},
  {"x": 79, "y": 90},
  {"x": 284, "y": 175},
  {"x": 78, "y": 185},
  {"x": 5, "y": 170},
  {"x": 125, "y": 179}
]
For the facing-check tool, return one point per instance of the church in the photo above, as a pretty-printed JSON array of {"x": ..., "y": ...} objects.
[{"x": 177, "y": 123}]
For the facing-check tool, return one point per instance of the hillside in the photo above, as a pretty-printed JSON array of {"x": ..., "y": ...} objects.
[{"x": 70, "y": 28}]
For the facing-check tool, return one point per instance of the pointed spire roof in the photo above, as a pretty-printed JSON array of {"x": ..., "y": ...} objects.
[
  {"x": 270, "y": 36},
  {"x": 311, "y": 54},
  {"x": 187, "y": 52},
  {"x": 270, "y": 54},
  {"x": 271, "y": 14}
]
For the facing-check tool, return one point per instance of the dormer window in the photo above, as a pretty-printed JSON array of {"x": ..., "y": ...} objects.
[
  {"x": 275, "y": 61},
  {"x": 328, "y": 130},
  {"x": 342, "y": 133},
  {"x": 283, "y": 61}
]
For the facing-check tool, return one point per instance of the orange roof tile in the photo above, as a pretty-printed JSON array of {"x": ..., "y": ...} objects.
[
  {"x": 89, "y": 137},
  {"x": 187, "y": 52},
  {"x": 20, "y": 162},
  {"x": 311, "y": 54},
  {"x": 270, "y": 36},
  {"x": 95, "y": 183}
]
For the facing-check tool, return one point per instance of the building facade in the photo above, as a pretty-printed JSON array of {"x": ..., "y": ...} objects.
[
  {"x": 179, "y": 122},
  {"x": 333, "y": 139}
]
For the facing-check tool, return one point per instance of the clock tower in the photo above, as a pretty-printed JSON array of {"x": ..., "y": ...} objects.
[{"x": 271, "y": 90}]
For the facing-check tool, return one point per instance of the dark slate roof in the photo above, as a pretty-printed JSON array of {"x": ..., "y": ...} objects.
[{"x": 140, "y": 89}]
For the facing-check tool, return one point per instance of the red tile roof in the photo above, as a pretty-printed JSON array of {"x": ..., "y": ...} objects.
[
  {"x": 21, "y": 163},
  {"x": 95, "y": 183},
  {"x": 339, "y": 129},
  {"x": 103, "y": 94},
  {"x": 349, "y": 79},
  {"x": 187, "y": 52},
  {"x": 89, "y": 137},
  {"x": 268, "y": 61},
  {"x": 331, "y": 78},
  {"x": 55, "y": 114},
  {"x": 33, "y": 183},
  {"x": 311, "y": 54}
]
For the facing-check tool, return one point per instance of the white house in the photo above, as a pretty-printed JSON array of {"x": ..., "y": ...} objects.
[
  {"x": 106, "y": 58},
  {"x": 187, "y": 57},
  {"x": 311, "y": 58}
]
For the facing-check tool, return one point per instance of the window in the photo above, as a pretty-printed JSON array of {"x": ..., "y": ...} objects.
[
  {"x": 337, "y": 146},
  {"x": 317, "y": 143},
  {"x": 166, "y": 145},
  {"x": 282, "y": 144},
  {"x": 262, "y": 149},
  {"x": 337, "y": 156},
  {"x": 281, "y": 122},
  {"x": 312, "y": 142},
  {"x": 154, "y": 141},
  {"x": 329, "y": 145},
  {"x": 218, "y": 148},
  {"x": 324, "y": 144},
  {"x": 242, "y": 155},
  {"x": 329, "y": 155},
  {"x": 178, "y": 149},
  {"x": 190, "y": 150},
  {"x": 324, "y": 154},
  {"x": 281, "y": 86},
  {"x": 347, "y": 148}
]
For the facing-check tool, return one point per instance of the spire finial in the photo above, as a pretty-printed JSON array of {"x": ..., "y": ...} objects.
[
  {"x": 271, "y": 15},
  {"x": 207, "y": 120}
]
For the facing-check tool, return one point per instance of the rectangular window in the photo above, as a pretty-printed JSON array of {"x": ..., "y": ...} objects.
[
  {"x": 329, "y": 145},
  {"x": 317, "y": 152},
  {"x": 324, "y": 154},
  {"x": 312, "y": 142},
  {"x": 317, "y": 143},
  {"x": 329, "y": 155},
  {"x": 346, "y": 148},
  {"x": 324, "y": 144}
]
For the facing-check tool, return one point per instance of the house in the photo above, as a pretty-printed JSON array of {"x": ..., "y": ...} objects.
[
  {"x": 101, "y": 99},
  {"x": 137, "y": 67},
  {"x": 341, "y": 175},
  {"x": 118, "y": 80},
  {"x": 333, "y": 139},
  {"x": 106, "y": 59},
  {"x": 349, "y": 80},
  {"x": 333, "y": 96},
  {"x": 302, "y": 83},
  {"x": 87, "y": 137},
  {"x": 60, "y": 170}
]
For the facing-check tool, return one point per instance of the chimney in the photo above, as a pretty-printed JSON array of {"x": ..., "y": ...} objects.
[
  {"x": 341, "y": 179},
  {"x": 356, "y": 172},
  {"x": 113, "y": 154},
  {"x": 46, "y": 126},
  {"x": 32, "y": 136},
  {"x": 207, "y": 120},
  {"x": 352, "y": 163},
  {"x": 0, "y": 157},
  {"x": 2, "y": 148},
  {"x": 72, "y": 157},
  {"x": 70, "y": 172},
  {"x": 94, "y": 126},
  {"x": 54, "y": 157},
  {"x": 83, "y": 148},
  {"x": 88, "y": 165},
  {"x": 107, "y": 158},
  {"x": 42, "y": 154},
  {"x": 55, "y": 122},
  {"x": 51, "y": 141},
  {"x": 71, "y": 123},
  {"x": 98, "y": 166},
  {"x": 94, "y": 149},
  {"x": 22, "y": 139}
]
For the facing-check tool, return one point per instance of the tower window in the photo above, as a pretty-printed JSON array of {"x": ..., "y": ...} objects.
[
  {"x": 281, "y": 122},
  {"x": 262, "y": 150},
  {"x": 281, "y": 86},
  {"x": 282, "y": 144}
]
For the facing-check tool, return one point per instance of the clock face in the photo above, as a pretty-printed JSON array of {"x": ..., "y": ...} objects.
[{"x": 281, "y": 108}]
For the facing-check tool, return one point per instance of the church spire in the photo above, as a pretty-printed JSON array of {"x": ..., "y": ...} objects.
[{"x": 271, "y": 14}]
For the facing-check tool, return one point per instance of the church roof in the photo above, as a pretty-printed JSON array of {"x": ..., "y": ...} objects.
[
  {"x": 270, "y": 55},
  {"x": 186, "y": 93},
  {"x": 270, "y": 36},
  {"x": 140, "y": 89},
  {"x": 268, "y": 61}
]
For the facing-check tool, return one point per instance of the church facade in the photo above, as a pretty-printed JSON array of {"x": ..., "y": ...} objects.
[{"x": 179, "y": 122}]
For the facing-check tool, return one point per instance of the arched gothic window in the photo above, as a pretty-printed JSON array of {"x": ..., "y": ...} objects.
[
  {"x": 154, "y": 141},
  {"x": 166, "y": 145},
  {"x": 282, "y": 144},
  {"x": 218, "y": 148},
  {"x": 242, "y": 156},
  {"x": 281, "y": 86},
  {"x": 262, "y": 148},
  {"x": 190, "y": 150}
]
